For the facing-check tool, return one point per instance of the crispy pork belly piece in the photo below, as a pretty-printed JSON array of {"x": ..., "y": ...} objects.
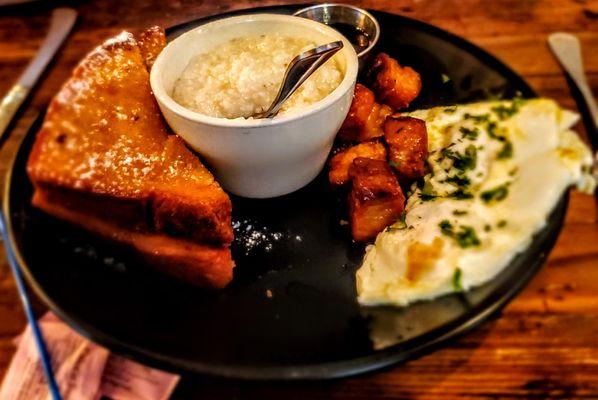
[
  {"x": 376, "y": 199},
  {"x": 394, "y": 85},
  {"x": 407, "y": 140},
  {"x": 342, "y": 161},
  {"x": 365, "y": 118}
]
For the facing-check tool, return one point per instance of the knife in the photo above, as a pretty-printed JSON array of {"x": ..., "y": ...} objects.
[
  {"x": 567, "y": 50},
  {"x": 62, "y": 22}
]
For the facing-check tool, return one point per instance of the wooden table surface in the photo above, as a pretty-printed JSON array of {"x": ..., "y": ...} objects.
[{"x": 543, "y": 345}]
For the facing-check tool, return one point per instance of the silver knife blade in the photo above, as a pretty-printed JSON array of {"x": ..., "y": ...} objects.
[
  {"x": 61, "y": 24},
  {"x": 567, "y": 50}
]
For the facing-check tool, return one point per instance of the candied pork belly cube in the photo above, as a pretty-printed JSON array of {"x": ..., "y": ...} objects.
[
  {"x": 376, "y": 199},
  {"x": 393, "y": 84},
  {"x": 342, "y": 161},
  {"x": 365, "y": 118},
  {"x": 407, "y": 140}
]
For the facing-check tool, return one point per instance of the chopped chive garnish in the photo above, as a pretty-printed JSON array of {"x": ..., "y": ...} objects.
[
  {"x": 506, "y": 151},
  {"x": 468, "y": 133},
  {"x": 465, "y": 236},
  {"x": 477, "y": 118},
  {"x": 462, "y": 161},
  {"x": 460, "y": 194},
  {"x": 459, "y": 180},
  {"x": 457, "y": 286},
  {"x": 496, "y": 194},
  {"x": 504, "y": 112},
  {"x": 399, "y": 225}
]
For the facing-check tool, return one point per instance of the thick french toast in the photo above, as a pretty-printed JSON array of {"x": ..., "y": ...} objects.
[
  {"x": 151, "y": 42},
  {"x": 195, "y": 263},
  {"x": 105, "y": 159}
]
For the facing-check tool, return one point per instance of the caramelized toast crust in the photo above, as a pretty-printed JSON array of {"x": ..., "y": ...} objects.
[
  {"x": 195, "y": 263},
  {"x": 104, "y": 139}
]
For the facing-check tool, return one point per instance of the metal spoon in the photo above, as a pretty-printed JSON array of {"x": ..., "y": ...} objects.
[{"x": 300, "y": 68}]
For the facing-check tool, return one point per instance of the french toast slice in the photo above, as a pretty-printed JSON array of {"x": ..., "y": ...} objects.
[{"x": 105, "y": 159}]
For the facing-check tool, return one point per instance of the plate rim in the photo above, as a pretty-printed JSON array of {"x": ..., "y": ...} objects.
[{"x": 430, "y": 341}]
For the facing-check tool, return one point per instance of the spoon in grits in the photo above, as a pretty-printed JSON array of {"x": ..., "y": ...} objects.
[{"x": 299, "y": 69}]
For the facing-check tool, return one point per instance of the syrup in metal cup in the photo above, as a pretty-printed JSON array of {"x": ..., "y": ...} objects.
[{"x": 356, "y": 24}]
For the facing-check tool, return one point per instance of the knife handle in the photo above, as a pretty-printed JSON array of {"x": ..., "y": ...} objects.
[{"x": 10, "y": 105}]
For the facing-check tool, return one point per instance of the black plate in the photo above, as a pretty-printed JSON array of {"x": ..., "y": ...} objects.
[{"x": 292, "y": 247}]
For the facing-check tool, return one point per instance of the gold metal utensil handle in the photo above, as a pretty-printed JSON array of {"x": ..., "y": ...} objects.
[{"x": 10, "y": 104}]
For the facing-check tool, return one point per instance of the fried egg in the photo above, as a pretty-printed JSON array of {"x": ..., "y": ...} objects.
[{"x": 497, "y": 170}]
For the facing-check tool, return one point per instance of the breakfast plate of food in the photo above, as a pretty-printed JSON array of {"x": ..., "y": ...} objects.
[{"x": 403, "y": 194}]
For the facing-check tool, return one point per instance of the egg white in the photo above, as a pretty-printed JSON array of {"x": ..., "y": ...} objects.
[{"x": 416, "y": 260}]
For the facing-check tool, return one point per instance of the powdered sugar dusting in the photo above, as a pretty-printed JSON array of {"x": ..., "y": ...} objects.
[
  {"x": 253, "y": 237},
  {"x": 104, "y": 132}
]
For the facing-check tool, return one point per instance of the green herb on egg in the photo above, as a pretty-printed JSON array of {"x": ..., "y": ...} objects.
[
  {"x": 491, "y": 129},
  {"x": 450, "y": 110},
  {"x": 457, "y": 286},
  {"x": 462, "y": 161},
  {"x": 465, "y": 236},
  {"x": 446, "y": 227},
  {"x": 506, "y": 151},
  {"x": 459, "y": 212},
  {"x": 477, "y": 118},
  {"x": 460, "y": 194},
  {"x": 496, "y": 194},
  {"x": 501, "y": 224},
  {"x": 504, "y": 112},
  {"x": 427, "y": 193},
  {"x": 519, "y": 102},
  {"x": 468, "y": 133},
  {"x": 428, "y": 197},
  {"x": 458, "y": 180},
  {"x": 399, "y": 225}
]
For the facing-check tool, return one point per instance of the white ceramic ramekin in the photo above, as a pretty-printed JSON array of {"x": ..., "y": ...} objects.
[{"x": 263, "y": 157}]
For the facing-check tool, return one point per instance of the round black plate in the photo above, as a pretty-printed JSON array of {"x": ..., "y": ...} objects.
[{"x": 290, "y": 312}]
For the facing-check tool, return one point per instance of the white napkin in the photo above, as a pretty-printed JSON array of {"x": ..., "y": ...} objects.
[{"x": 83, "y": 370}]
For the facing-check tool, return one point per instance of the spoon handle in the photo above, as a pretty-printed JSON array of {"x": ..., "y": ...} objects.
[{"x": 299, "y": 69}]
